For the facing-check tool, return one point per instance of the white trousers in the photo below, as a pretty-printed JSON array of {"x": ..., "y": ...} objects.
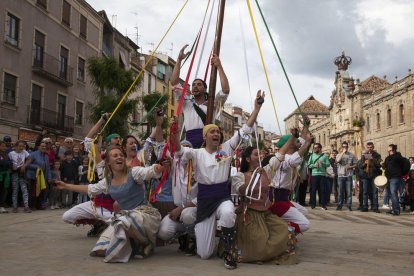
[
  {"x": 206, "y": 230},
  {"x": 297, "y": 215},
  {"x": 85, "y": 211},
  {"x": 169, "y": 227}
]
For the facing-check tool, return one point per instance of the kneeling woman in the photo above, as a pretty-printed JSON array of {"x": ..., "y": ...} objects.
[
  {"x": 261, "y": 235},
  {"x": 137, "y": 222}
]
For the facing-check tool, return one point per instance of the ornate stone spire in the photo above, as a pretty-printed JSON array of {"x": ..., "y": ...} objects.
[{"x": 343, "y": 61}]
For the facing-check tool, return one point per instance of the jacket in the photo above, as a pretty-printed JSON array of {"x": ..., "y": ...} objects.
[{"x": 393, "y": 165}]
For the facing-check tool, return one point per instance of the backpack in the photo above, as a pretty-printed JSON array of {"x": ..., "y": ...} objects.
[{"x": 405, "y": 166}]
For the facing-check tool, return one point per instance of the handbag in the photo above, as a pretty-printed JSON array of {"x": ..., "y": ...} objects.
[{"x": 330, "y": 172}]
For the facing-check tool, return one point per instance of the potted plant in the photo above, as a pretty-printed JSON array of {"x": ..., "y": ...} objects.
[{"x": 358, "y": 123}]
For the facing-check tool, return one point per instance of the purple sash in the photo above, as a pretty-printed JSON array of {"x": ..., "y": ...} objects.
[
  {"x": 278, "y": 194},
  {"x": 195, "y": 136},
  {"x": 210, "y": 197}
]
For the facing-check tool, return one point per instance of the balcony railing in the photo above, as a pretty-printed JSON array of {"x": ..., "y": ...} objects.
[
  {"x": 51, "y": 67},
  {"x": 51, "y": 119}
]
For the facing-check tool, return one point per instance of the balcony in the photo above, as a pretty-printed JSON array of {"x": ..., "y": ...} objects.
[
  {"x": 50, "y": 119},
  {"x": 51, "y": 67}
]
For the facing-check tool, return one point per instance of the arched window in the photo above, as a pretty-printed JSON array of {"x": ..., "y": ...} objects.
[
  {"x": 368, "y": 124},
  {"x": 324, "y": 139},
  {"x": 378, "y": 121},
  {"x": 389, "y": 116},
  {"x": 401, "y": 111},
  {"x": 319, "y": 138}
]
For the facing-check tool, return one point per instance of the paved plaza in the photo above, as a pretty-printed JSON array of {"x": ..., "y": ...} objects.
[{"x": 338, "y": 243}]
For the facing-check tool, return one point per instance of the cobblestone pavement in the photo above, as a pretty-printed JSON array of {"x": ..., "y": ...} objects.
[{"x": 338, "y": 243}]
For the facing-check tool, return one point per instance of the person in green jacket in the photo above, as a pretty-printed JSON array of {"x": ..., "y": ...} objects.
[{"x": 318, "y": 162}]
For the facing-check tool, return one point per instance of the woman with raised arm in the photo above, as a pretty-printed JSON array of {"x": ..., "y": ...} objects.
[
  {"x": 211, "y": 166},
  {"x": 261, "y": 235},
  {"x": 136, "y": 222}
]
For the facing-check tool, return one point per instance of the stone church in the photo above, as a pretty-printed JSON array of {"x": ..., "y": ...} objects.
[{"x": 373, "y": 110}]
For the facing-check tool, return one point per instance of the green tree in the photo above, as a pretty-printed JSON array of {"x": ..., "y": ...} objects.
[
  {"x": 151, "y": 102},
  {"x": 111, "y": 82}
]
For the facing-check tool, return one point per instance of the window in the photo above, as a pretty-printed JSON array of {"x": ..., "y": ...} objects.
[
  {"x": 378, "y": 121},
  {"x": 38, "y": 49},
  {"x": 9, "y": 88},
  {"x": 12, "y": 29},
  {"x": 389, "y": 117},
  {"x": 81, "y": 69},
  {"x": 79, "y": 113},
  {"x": 63, "y": 68},
  {"x": 42, "y": 3},
  {"x": 401, "y": 111},
  {"x": 83, "y": 26},
  {"x": 66, "y": 13},
  {"x": 61, "y": 110},
  {"x": 160, "y": 71},
  {"x": 35, "y": 104},
  {"x": 368, "y": 124}
]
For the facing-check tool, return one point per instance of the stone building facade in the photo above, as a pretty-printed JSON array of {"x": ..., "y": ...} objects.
[
  {"x": 373, "y": 110},
  {"x": 44, "y": 49}
]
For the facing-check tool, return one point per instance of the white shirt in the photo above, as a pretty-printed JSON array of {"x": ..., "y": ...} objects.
[
  {"x": 270, "y": 169},
  {"x": 18, "y": 159},
  {"x": 191, "y": 119},
  {"x": 207, "y": 168},
  {"x": 285, "y": 177}
]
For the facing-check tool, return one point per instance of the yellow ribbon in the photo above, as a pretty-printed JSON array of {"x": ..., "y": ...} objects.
[
  {"x": 190, "y": 174},
  {"x": 40, "y": 182},
  {"x": 263, "y": 63},
  {"x": 91, "y": 164}
]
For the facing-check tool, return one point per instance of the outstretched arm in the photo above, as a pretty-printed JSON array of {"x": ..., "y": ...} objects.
[
  {"x": 175, "y": 140},
  {"x": 95, "y": 129},
  {"x": 308, "y": 142},
  {"x": 176, "y": 71},
  {"x": 157, "y": 131},
  {"x": 257, "y": 105},
  {"x": 225, "y": 87},
  {"x": 83, "y": 189}
]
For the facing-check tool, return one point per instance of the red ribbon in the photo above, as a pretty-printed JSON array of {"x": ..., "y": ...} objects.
[{"x": 174, "y": 127}]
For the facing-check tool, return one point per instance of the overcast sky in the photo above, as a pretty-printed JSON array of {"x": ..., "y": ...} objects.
[{"x": 377, "y": 34}]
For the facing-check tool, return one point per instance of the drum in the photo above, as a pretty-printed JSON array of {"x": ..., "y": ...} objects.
[{"x": 381, "y": 181}]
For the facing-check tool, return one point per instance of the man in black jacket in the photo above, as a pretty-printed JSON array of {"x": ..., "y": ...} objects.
[
  {"x": 393, "y": 165},
  {"x": 369, "y": 167}
]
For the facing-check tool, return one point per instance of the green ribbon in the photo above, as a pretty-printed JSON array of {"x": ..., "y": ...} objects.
[{"x": 280, "y": 60}]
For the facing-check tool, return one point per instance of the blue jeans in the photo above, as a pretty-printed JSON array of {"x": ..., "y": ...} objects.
[
  {"x": 318, "y": 183},
  {"x": 345, "y": 183},
  {"x": 368, "y": 183},
  {"x": 393, "y": 187},
  {"x": 386, "y": 197},
  {"x": 328, "y": 191}
]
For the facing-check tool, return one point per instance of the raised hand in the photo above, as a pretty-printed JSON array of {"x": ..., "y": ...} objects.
[
  {"x": 259, "y": 99},
  {"x": 158, "y": 115},
  {"x": 294, "y": 132},
  {"x": 182, "y": 54},
  {"x": 60, "y": 185},
  {"x": 215, "y": 61}
]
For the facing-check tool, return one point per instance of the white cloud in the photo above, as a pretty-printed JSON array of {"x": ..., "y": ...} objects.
[{"x": 377, "y": 34}]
